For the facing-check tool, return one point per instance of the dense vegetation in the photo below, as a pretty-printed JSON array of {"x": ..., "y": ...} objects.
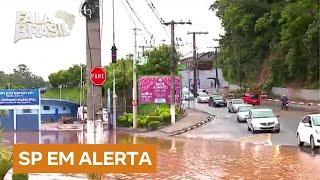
[
  {"x": 69, "y": 78},
  {"x": 20, "y": 78},
  {"x": 158, "y": 64},
  {"x": 270, "y": 42}
]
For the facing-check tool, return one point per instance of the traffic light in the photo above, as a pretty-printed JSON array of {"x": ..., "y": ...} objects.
[{"x": 114, "y": 53}]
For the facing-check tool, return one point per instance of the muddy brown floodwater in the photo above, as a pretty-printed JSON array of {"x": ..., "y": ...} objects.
[{"x": 201, "y": 159}]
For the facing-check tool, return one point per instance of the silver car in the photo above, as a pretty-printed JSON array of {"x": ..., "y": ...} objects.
[
  {"x": 262, "y": 120},
  {"x": 234, "y": 104},
  {"x": 203, "y": 97},
  {"x": 243, "y": 112}
]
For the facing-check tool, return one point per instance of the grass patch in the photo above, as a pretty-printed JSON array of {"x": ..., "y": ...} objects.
[
  {"x": 71, "y": 94},
  {"x": 149, "y": 109}
]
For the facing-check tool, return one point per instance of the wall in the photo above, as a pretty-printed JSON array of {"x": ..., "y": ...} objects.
[
  {"x": 25, "y": 122},
  {"x": 307, "y": 94},
  {"x": 29, "y": 121},
  {"x": 51, "y": 111}
]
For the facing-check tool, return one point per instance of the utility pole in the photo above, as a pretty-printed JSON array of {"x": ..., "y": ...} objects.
[
  {"x": 134, "y": 83},
  {"x": 90, "y": 9},
  {"x": 216, "y": 83},
  {"x": 114, "y": 60},
  {"x": 80, "y": 99},
  {"x": 173, "y": 68},
  {"x": 195, "y": 64},
  {"x": 60, "y": 87}
]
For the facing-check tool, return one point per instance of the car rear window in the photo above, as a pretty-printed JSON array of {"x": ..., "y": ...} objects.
[
  {"x": 217, "y": 97},
  {"x": 262, "y": 114},
  {"x": 316, "y": 120},
  {"x": 237, "y": 101},
  {"x": 244, "y": 108}
]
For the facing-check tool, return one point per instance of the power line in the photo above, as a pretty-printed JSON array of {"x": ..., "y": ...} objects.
[
  {"x": 135, "y": 25},
  {"x": 113, "y": 32},
  {"x": 155, "y": 12},
  {"x": 136, "y": 15}
]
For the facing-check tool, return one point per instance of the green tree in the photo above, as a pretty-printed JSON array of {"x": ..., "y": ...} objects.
[
  {"x": 158, "y": 62},
  {"x": 69, "y": 78},
  {"x": 280, "y": 34}
]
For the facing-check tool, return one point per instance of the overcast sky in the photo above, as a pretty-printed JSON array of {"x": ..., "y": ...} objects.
[{"x": 46, "y": 55}]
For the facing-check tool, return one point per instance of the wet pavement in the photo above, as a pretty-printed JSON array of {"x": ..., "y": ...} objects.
[
  {"x": 225, "y": 126},
  {"x": 181, "y": 158}
]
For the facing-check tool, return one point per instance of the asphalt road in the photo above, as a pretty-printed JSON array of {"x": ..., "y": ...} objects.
[{"x": 225, "y": 126}]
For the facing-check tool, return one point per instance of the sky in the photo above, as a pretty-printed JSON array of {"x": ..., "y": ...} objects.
[{"x": 47, "y": 55}]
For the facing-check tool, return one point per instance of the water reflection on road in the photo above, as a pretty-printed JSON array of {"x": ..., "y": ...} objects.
[{"x": 202, "y": 159}]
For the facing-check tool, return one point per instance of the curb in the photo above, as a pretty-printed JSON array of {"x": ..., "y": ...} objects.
[
  {"x": 293, "y": 102},
  {"x": 184, "y": 130}
]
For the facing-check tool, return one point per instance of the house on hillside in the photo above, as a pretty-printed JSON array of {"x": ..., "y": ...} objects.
[{"x": 27, "y": 119}]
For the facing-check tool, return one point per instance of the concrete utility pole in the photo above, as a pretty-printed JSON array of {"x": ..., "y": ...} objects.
[
  {"x": 90, "y": 9},
  {"x": 134, "y": 83},
  {"x": 114, "y": 60},
  {"x": 195, "y": 64},
  {"x": 216, "y": 82},
  {"x": 173, "y": 68}
]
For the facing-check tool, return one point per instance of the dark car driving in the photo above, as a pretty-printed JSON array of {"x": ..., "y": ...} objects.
[{"x": 217, "y": 101}]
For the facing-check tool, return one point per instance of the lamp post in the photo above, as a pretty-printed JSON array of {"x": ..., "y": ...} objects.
[{"x": 60, "y": 87}]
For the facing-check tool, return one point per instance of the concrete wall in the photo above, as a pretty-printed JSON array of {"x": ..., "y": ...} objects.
[
  {"x": 307, "y": 94},
  {"x": 52, "y": 110}
]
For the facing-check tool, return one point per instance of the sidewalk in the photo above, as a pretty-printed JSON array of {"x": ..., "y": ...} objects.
[{"x": 193, "y": 118}]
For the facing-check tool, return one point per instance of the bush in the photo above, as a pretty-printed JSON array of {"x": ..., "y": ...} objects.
[
  {"x": 20, "y": 176},
  {"x": 154, "y": 118},
  {"x": 129, "y": 116},
  {"x": 166, "y": 117},
  {"x": 161, "y": 110},
  {"x": 154, "y": 125},
  {"x": 123, "y": 121},
  {"x": 5, "y": 161},
  {"x": 142, "y": 122}
]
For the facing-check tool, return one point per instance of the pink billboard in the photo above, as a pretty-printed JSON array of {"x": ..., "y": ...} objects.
[{"x": 156, "y": 89}]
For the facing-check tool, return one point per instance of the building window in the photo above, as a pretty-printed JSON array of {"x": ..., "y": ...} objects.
[
  {"x": 46, "y": 108},
  {"x": 26, "y": 111},
  {"x": 64, "y": 108}
]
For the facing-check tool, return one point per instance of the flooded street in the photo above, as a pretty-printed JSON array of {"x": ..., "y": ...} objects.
[{"x": 202, "y": 159}]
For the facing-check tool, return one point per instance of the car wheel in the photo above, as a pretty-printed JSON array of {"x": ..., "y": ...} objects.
[
  {"x": 238, "y": 119},
  {"x": 229, "y": 110},
  {"x": 299, "y": 141},
  {"x": 312, "y": 144},
  {"x": 277, "y": 131},
  {"x": 254, "y": 131},
  {"x": 249, "y": 128}
]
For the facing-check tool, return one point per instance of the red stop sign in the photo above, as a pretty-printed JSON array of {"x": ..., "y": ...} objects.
[{"x": 98, "y": 76}]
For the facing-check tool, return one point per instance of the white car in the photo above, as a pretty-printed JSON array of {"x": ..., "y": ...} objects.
[
  {"x": 243, "y": 112},
  {"x": 233, "y": 105},
  {"x": 261, "y": 120},
  {"x": 309, "y": 131},
  {"x": 203, "y": 97}
]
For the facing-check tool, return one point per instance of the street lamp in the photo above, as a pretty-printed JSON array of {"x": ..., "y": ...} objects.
[{"x": 60, "y": 86}]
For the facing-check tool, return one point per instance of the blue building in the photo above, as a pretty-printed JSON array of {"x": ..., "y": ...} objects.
[{"x": 27, "y": 119}]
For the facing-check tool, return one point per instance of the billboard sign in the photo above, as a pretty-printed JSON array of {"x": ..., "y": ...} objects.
[
  {"x": 156, "y": 89},
  {"x": 19, "y": 97}
]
